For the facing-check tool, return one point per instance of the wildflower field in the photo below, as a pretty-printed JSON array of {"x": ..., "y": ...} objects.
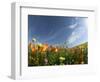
[{"x": 48, "y": 55}]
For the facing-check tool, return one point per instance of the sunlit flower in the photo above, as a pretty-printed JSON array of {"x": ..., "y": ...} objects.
[
  {"x": 56, "y": 50},
  {"x": 82, "y": 62},
  {"x": 30, "y": 45},
  {"x": 46, "y": 61},
  {"x": 33, "y": 50},
  {"x": 39, "y": 44},
  {"x": 62, "y": 58},
  {"x": 45, "y": 47}
]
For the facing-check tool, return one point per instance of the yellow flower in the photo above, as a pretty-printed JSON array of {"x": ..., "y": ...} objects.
[
  {"x": 39, "y": 44},
  {"x": 62, "y": 58}
]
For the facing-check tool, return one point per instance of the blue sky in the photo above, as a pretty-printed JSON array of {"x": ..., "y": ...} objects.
[{"x": 58, "y": 29}]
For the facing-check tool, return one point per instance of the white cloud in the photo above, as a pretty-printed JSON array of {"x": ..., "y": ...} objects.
[
  {"x": 76, "y": 35},
  {"x": 73, "y": 33},
  {"x": 79, "y": 34},
  {"x": 73, "y": 26},
  {"x": 73, "y": 37}
]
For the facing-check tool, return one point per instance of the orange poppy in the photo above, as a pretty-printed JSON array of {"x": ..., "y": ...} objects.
[
  {"x": 33, "y": 50},
  {"x": 56, "y": 50},
  {"x": 45, "y": 47}
]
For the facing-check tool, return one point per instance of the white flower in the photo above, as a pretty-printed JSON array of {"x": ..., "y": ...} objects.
[{"x": 34, "y": 40}]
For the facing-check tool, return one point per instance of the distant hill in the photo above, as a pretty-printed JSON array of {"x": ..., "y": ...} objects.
[{"x": 84, "y": 45}]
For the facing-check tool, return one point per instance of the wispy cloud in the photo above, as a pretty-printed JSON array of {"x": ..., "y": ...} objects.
[
  {"x": 75, "y": 35},
  {"x": 73, "y": 26},
  {"x": 74, "y": 23}
]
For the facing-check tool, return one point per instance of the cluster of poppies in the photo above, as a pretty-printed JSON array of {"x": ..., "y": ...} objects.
[{"x": 47, "y": 55}]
